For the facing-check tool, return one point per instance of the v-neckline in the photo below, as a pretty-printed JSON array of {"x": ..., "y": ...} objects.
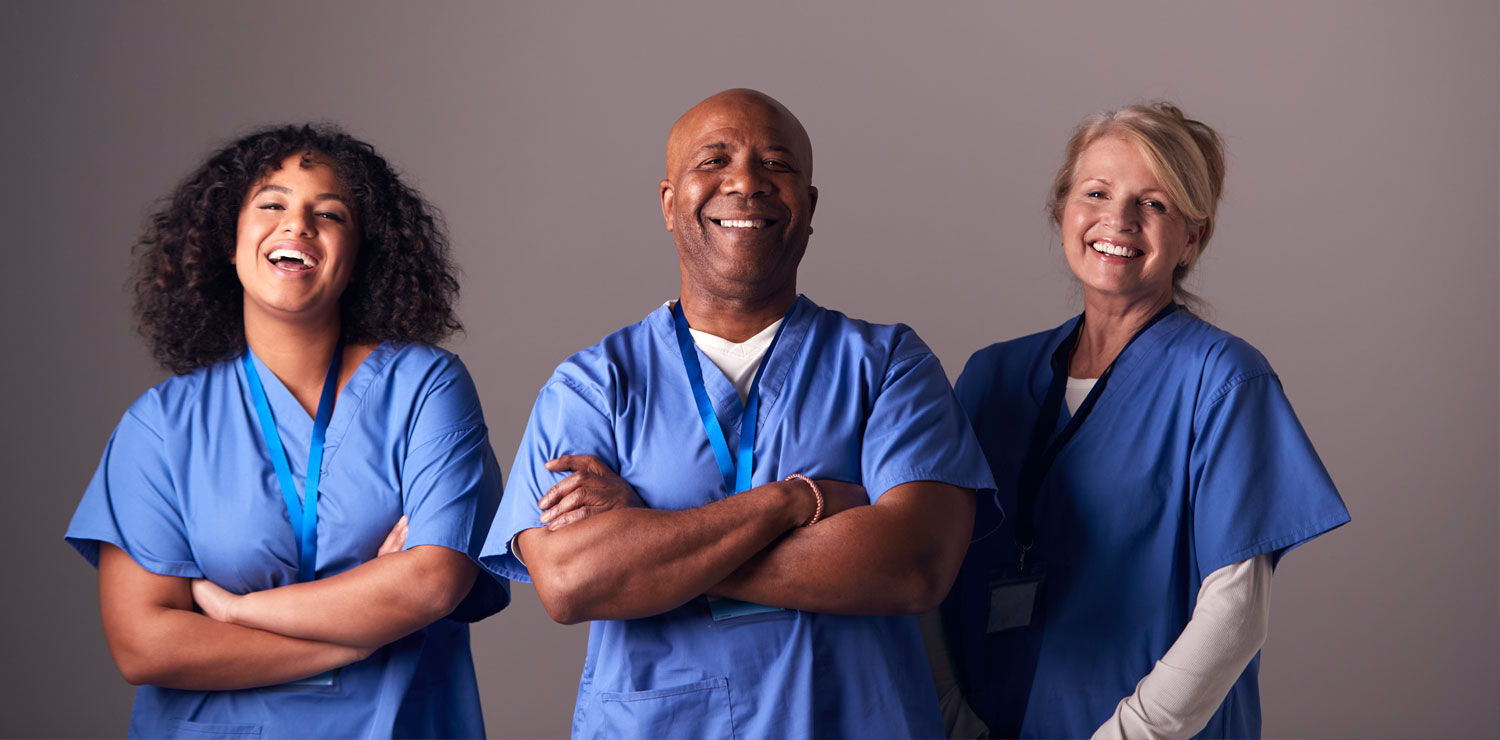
[
  {"x": 284, "y": 404},
  {"x": 726, "y": 399}
]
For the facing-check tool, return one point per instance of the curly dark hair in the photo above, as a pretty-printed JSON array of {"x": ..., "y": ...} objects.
[{"x": 189, "y": 299}]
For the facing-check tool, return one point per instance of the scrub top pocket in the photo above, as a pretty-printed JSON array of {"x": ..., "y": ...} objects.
[
  {"x": 184, "y": 728},
  {"x": 695, "y": 710}
]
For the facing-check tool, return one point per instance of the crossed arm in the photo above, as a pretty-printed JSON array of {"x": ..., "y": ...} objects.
[
  {"x": 273, "y": 636},
  {"x": 602, "y": 555}
]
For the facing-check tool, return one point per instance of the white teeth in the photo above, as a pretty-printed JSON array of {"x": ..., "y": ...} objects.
[
  {"x": 302, "y": 257},
  {"x": 742, "y": 223},
  {"x": 1114, "y": 249}
]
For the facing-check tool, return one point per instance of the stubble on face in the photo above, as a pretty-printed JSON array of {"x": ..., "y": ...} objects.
[{"x": 750, "y": 128}]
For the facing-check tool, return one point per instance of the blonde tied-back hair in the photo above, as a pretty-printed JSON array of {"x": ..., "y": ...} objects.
[{"x": 1186, "y": 156}]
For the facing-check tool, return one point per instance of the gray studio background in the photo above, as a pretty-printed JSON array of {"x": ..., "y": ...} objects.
[{"x": 1357, "y": 250}]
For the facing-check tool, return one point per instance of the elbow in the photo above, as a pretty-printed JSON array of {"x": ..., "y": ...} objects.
[
  {"x": 926, "y": 587},
  {"x": 439, "y": 593},
  {"x": 561, "y": 596},
  {"x": 136, "y": 665}
]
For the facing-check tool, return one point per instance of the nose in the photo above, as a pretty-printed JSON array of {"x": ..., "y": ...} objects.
[
  {"x": 298, "y": 222},
  {"x": 746, "y": 179},
  {"x": 1123, "y": 215}
]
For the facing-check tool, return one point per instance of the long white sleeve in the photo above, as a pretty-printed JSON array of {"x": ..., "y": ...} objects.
[
  {"x": 1178, "y": 697},
  {"x": 958, "y": 718}
]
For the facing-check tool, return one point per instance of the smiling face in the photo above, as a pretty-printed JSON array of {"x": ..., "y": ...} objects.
[
  {"x": 738, "y": 197},
  {"x": 296, "y": 243},
  {"x": 1122, "y": 235}
]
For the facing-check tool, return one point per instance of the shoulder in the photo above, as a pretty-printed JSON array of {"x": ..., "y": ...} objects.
[
  {"x": 1008, "y": 365},
  {"x": 600, "y": 373},
  {"x": 173, "y": 403},
  {"x": 1221, "y": 359},
  {"x": 891, "y": 343}
]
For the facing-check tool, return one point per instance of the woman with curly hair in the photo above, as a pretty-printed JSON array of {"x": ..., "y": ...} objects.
[{"x": 294, "y": 284}]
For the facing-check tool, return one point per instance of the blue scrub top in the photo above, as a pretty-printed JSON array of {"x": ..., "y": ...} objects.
[
  {"x": 1190, "y": 461},
  {"x": 839, "y": 399},
  {"x": 186, "y": 488}
]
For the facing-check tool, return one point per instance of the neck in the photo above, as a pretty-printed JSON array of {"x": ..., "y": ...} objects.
[
  {"x": 1109, "y": 323},
  {"x": 735, "y": 318},
  {"x": 298, "y": 354}
]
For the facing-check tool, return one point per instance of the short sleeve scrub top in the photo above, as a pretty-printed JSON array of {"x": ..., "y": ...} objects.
[
  {"x": 1189, "y": 460},
  {"x": 187, "y": 488}
]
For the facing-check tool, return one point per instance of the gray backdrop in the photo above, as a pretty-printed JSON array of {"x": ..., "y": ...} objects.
[{"x": 1356, "y": 250}]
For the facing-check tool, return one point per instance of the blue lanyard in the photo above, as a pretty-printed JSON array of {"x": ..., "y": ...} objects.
[
  {"x": 304, "y": 514},
  {"x": 1044, "y": 448},
  {"x": 736, "y": 477}
]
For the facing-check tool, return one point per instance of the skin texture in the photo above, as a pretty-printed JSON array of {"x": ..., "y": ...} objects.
[
  {"x": 292, "y": 324},
  {"x": 602, "y": 555},
  {"x": 1116, "y": 199},
  {"x": 738, "y": 155}
]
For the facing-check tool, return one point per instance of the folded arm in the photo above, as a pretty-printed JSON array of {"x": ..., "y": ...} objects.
[
  {"x": 898, "y": 556},
  {"x": 372, "y": 604},
  {"x": 156, "y": 637},
  {"x": 634, "y": 562},
  {"x": 1229, "y": 625}
]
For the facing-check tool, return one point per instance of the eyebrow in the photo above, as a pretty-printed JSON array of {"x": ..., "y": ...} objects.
[
  {"x": 288, "y": 191},
  {"x": 720, "y": 146}
]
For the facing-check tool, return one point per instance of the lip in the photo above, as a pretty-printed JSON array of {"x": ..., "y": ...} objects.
[
  {"x": 308, "y": 249},
  {"x": 1111, "y": 258}
]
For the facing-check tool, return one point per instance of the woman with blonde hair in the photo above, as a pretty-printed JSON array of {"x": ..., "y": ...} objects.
[{"x": 1150, "y": 466}]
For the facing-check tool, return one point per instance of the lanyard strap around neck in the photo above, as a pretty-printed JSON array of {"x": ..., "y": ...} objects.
[
  {"x": 303, "y": 514},
  {"x": 736, "y": 476},
  {"x": 1044, "y": 447}
]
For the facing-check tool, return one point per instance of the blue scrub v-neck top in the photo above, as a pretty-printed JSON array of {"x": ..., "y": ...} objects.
[
  {"x": 839, "y": 398},
  {"x": 1191, "y": 460},
  {"x": 186, "y": 488}
]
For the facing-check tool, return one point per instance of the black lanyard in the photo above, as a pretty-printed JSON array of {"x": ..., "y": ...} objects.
[{"x": 1044, "y": 448}]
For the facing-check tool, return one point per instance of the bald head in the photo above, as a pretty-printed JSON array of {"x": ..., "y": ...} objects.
[{"x": 736, "y": 109}]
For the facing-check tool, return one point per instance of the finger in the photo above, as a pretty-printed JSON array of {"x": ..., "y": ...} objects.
[
  {"x": 570, "y": 517},
  {"x": 580, "y": 463},
  {"x": 563, "y": 506},
  {"x": 393, "y": 539},
  {"x": 568, "y": 462},
  {"x": 564, "y": 487}
]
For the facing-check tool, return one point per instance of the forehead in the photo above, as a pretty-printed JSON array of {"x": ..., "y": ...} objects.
[
  {"x": 1114, "y": 157},
  {"x": 307, "y": 169},
  {"x": 736, "y": 123}
]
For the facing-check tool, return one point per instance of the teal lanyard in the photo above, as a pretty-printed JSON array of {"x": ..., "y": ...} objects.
[
  {"x": 736, "y": 476},
  {"x": 303, "y": 514}
]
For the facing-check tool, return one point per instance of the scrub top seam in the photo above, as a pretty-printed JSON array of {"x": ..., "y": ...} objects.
[
  {"x": 1284, "y": 542},
  {"x": 449, "y": 432},
  {"x": 1235, "y": 381},
  {"x": 578, "y": 390}
]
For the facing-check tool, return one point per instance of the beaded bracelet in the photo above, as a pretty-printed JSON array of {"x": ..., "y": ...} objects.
[{"x": 818, "y": 513}]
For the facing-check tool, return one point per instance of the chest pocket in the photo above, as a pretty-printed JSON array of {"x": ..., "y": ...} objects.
[{"x": 695, "y": 710}]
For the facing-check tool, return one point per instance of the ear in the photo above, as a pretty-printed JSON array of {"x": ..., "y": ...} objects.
[
  {"x": 667, "y": 198},
  {"x": 812, "y": 206},
  {"x": 1195, "y": 236}
]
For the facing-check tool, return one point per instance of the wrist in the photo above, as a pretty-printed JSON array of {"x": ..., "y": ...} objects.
[{"x": 817, "y": 497}]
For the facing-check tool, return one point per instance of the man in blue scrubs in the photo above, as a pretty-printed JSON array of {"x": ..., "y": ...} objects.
[{"x": 728, "y": 599}]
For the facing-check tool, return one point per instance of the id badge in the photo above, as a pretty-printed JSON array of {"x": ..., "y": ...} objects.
[
  {"x": 723, "y": 609},
  {"x": 326, "y": 679},
  {"x": 1013, "y": 595}
]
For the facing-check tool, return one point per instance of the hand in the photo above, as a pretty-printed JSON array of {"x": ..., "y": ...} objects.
[
  {"x": 216, "y": 603},
  {"x": 592, "y": 489},
  {"x": 395, "y": 540}
]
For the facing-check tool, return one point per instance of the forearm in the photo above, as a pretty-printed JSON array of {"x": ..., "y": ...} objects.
[
  {"x": 367, "y": 606},
  {"x": 635, "y": 562},
  {"x": 898, "y": 556},
  {"x": 156, "y": 638},
  {"x": 180, "y": 649},
  {"x": 1178, "y": 697}
]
